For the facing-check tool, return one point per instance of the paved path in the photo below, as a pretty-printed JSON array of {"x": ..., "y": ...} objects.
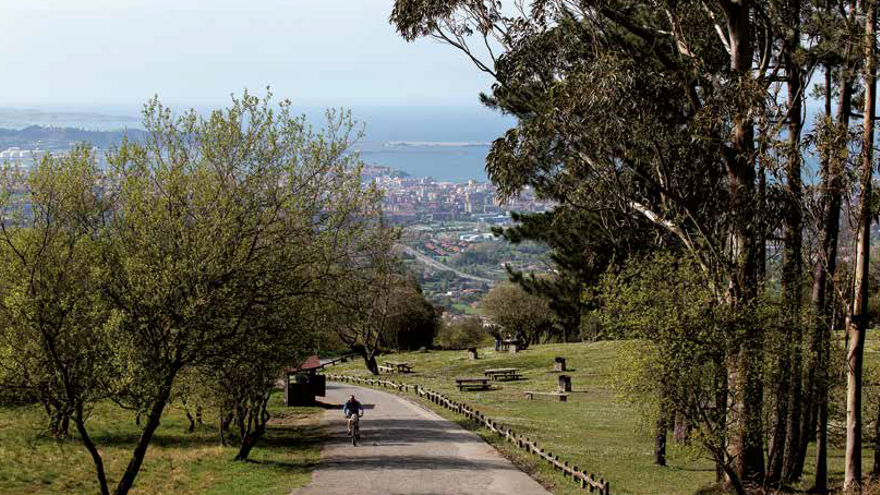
[{"x": 405, "y": 450}]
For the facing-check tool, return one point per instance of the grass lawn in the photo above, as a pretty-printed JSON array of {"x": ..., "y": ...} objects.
[
  {"x": 593, "y": 430},
  {"x": 176, "y": 463}
]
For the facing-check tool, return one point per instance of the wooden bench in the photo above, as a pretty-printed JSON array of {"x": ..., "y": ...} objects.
[
  {"x": 387, "y": 369},
  {"x": 562, "y": 397},
  {"x": 503, "y": 374},
  {"x": 472, "y": 383},
  {"x": 399, "y": 367}
]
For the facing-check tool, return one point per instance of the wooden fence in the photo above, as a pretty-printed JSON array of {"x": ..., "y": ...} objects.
[{"x": 586, "y": 481}]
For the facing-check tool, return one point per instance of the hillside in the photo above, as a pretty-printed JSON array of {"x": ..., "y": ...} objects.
[
  {"x": 37, "y": 136},
  {"x": 594, "y": 429}
]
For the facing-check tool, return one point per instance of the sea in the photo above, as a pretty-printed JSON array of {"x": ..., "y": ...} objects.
[{"x": 445, "y": 143}]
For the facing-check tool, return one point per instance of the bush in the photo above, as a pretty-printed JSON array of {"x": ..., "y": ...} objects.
[{"x": 462, "y": 334}]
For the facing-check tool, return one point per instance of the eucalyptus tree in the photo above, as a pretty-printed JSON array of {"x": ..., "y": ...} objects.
[
  {"x": 836, "y": 30},
  {"x": 642, "y": 108},
  {"x": 857, "y": 314}
]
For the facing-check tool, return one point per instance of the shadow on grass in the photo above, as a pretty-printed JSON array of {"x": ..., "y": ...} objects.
[
  {"x": 184, "y": 440},
  {"x": 290, "y": 438}
]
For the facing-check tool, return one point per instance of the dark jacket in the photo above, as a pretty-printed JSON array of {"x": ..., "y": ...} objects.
[{"x": 352, "y": 407}]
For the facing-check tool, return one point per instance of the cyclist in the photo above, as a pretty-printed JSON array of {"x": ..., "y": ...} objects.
[{"x": 351, "y": 408}]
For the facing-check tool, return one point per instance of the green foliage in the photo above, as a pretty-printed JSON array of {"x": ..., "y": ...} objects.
[
  {"x": 581, "y": 248},
  {"x": 677, "y": 364},
  {"x": 462, "y": 334},
  {"x": 209, "y": 248},
  {"x": 518, "y": 312},
  {"x": 415, "y": 323}
]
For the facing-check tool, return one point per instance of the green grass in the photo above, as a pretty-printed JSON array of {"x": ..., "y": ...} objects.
[
  {"x": 593, "y": 430},
  {"x": 176, "y": 462}
]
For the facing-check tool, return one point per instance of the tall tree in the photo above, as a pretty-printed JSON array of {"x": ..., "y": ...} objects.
[
  {"x": 858, "y": 312},
  {"x": 645, "y": 109}
]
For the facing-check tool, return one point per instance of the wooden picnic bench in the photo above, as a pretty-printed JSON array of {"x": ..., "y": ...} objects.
[
  {"x": 563, "y": 397},
  {"x": 503, "y": 374},
  {"x": 472, "y": 383},
  {"x": 387, "y": 369},
  {"x": 399, "y": 367},
  {"x": 506, "y": 343}
]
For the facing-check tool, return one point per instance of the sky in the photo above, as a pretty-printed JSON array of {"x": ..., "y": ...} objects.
[{"x": 105, "y": 53}]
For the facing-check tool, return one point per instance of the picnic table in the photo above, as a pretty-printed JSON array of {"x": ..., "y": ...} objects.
[
  {"x": 506, "y": 343},
  {"x": 393, "y": 366},
  {"x": 561, "y": 396},
  {"x": 472, "y": 383},
  {"x": 503, "y": 374}
]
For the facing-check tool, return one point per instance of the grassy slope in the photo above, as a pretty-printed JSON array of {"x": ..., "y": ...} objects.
[
  {"x": 594, "y": 430},
  {"x": 176, "y": 462}
]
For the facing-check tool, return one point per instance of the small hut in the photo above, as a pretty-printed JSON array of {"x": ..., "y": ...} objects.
[{"x": 303, "y": 383}]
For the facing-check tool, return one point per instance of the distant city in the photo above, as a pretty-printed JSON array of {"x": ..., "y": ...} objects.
[{"x": 447, "y": 222}]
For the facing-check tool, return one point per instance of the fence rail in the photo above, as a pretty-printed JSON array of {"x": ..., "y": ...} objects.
[{"x": 586, "y": 480}]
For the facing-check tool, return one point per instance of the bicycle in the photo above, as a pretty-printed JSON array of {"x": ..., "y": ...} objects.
[{"x": 355, "y": 429}]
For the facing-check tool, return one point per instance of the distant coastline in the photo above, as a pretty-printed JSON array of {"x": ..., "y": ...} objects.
[
  {"x": 451, "y": 148},
  {"x": 436, "y": 144}
]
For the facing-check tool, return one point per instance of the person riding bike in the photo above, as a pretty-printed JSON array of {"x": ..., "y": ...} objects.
[{"x": 351, "y": 408}]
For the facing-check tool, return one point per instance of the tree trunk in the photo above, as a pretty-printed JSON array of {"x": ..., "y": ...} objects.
[
  {"x": 140, "y": 450},
  {"x": 746, "y": 443},
  {"x": 857, "y": 321},
  {"x": 86, "y": 440},
  {"x": 875, "y": 472},
  {"x": 192, "y": 422},
  {"x": 681, "y": 430},
  {"x": 225, "y": 423},
  {"x": 254, "y": 428},
  {"x": 660, "y": 440},
  {"x": 792, "y": 270},
  {"x": 781, "y": 396},
  {"x": 826, "y": 267},
  {"x": 820, "y": 485},
  {"x": 370, "y": 361},
  {"x": 248, "y": 443},
  {"x": 719, "y": 415}
]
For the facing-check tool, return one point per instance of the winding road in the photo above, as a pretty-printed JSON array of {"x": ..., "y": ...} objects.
[
  {"x": 408, "y": 450},
  {"x": 427, "y": 260}
]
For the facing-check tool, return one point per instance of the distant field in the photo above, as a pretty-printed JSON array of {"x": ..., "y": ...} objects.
[
  {"x": 594, "y": 430},
  {"x": 177, "y": 463}
]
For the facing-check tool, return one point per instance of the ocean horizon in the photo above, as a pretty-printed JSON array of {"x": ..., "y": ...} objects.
[{"x": 445, "y": 143}]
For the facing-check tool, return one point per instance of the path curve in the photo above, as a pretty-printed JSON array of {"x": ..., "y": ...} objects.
[
  {"x": 408, "y": 450},
  {"x": 427, "y": 260}
]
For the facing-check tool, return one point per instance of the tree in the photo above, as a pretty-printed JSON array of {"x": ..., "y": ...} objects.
[
  {"x": 56, "y": 338},
  {"x": 461, "y": 334},
  {"x": 518, "y": 312},
  {"x": 415, "y": 321},
  {"x": 374, "y": 300},
  {"x": 677, "y": 340},
  {"x": 645, "y": 110},
  {"x": 583, "y": 245},
  {"x": 857, "y": 316},
  {"x": 199, "y": 233}
]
